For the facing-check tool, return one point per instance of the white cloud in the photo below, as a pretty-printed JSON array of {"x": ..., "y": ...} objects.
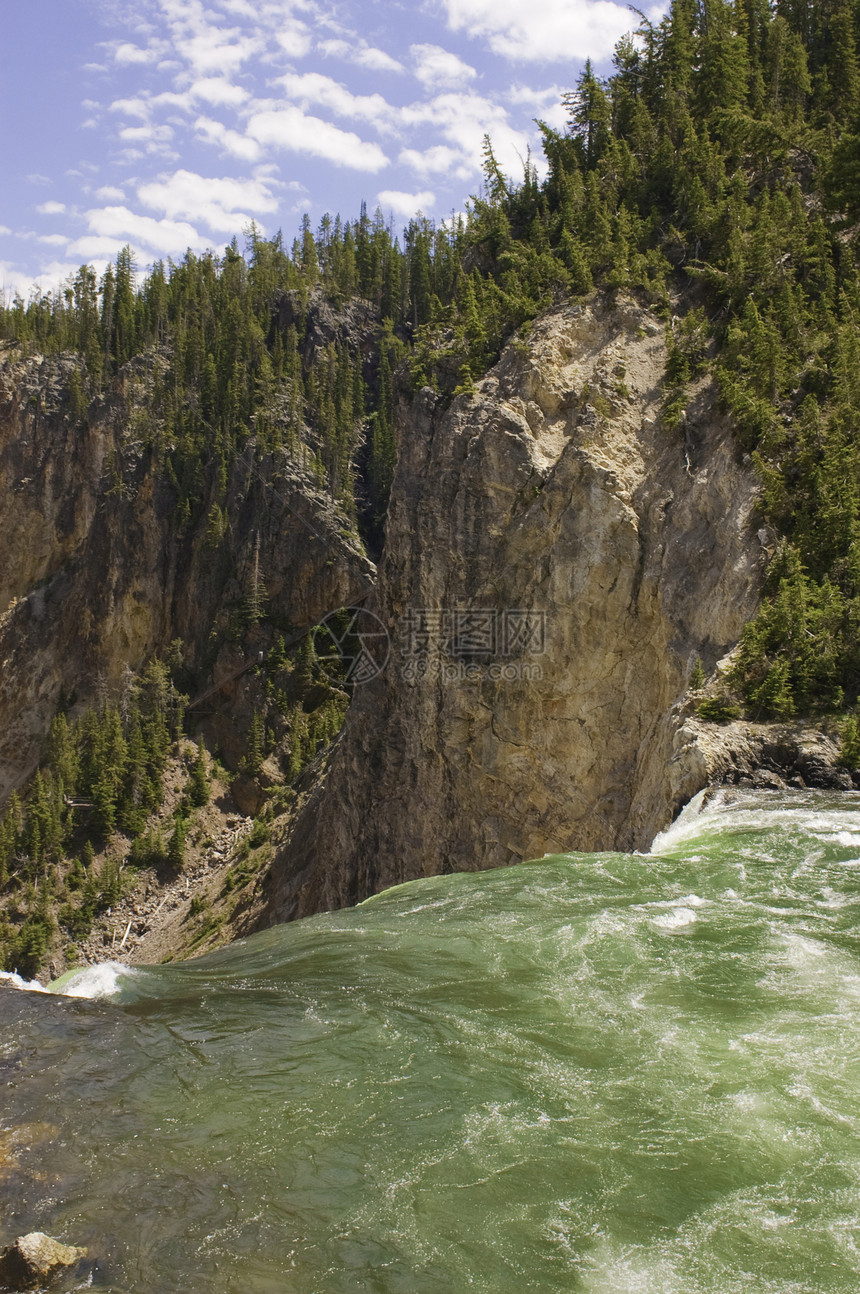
[
  {"x": 58, "y": 271},
  {"x": 13, "y": 279},
  {"x": 545, "y": 103},
  {"x": 531, "y": 98},
  {"x": 241, "y": 7},
  {"x": 110, "y": 193},
  {"x": 311, "y": 87},
  {"x": 4, "y": 229},
  {"x": 229, "y": 141},
  {"x": 54, "y": 240},
  {"x": 439, "y": 159},
  {"x": 119, "y": 223},
  {"x": 96, "y": 246},
  {"x": 51, "y": 208},
  {"x": 128, "y": 53},
  {"x": 553, "y": 30},
  {"x": 556, "y": 115},
  {"x": 146, "y": 134},
  {"x": 169, "y": 99},
  {"x": 405, "y": 204},
  {"x": 219, "y": 50},
  {"x": 208, "y": 48},
  {"x": 291, "y": 129},
  {"x": 131, "y": 108},
  {"x": 436, "y": 67},
  {"x": 13, "y": 282},
  {"x": 154, "y": 139},
  {"x": 219, "y": 204},
  {"x": 362, "y": 54},
  {"x": 219, "y": 91},
  {"x": 294, "y": 39},
  {"x": 463, "y": 120}
]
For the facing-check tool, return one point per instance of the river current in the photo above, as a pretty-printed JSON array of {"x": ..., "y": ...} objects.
[{"x": 592, "y": 1072}]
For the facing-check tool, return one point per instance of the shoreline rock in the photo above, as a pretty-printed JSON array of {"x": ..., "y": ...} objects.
[
  {"x": 34, "y": 1260},
  {"x": 764, "y": 755}
]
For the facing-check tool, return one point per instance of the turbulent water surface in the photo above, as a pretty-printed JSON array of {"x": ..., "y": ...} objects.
[{"x": 593, "y": 1072}]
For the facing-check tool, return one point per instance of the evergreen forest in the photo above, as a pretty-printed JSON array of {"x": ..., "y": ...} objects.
[{"x": 714, "y": 174}]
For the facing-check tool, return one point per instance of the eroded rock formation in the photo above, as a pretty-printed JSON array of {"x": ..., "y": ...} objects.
[{"x": 552, "y": 494}]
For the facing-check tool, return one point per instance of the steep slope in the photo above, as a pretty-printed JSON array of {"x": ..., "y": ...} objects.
[
  {"x": 555, "y": 562},
  {"x": 103, "y": 570}
]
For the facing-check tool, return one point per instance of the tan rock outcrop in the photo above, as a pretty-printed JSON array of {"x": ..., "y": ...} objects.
[
  {"x": 34, "y": 1260},
  {"x": 758, "y": 754},
  {"x": 551, "y": 497}
]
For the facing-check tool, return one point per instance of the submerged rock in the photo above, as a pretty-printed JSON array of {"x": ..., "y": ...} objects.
[{"x": 34, "y": 1260}]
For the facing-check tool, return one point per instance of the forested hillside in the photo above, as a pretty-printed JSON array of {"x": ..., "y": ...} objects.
[
  {"x": 721, "y": 155},
  {"x": 715, "y": 174}
]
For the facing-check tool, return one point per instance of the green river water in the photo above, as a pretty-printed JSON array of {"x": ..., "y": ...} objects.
[{"x": 596, "y": 1072}]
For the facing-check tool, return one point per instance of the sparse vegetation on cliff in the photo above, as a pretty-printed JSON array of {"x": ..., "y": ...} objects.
[
  {"x": 712, "y": 176},
  {"x": 97, "y": 813}
]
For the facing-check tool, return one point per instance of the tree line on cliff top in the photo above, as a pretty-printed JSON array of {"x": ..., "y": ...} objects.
[{"x": 715, "y": 173}]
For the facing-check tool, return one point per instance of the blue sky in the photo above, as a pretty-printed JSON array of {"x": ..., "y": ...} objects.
[{"x": 170, "y": 124}]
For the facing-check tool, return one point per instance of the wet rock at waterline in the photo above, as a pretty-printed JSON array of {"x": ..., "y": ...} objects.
[{"x": 35, "y": 1260}]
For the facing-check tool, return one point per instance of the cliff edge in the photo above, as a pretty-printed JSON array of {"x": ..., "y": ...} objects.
[{"x": 556, "y": 560}]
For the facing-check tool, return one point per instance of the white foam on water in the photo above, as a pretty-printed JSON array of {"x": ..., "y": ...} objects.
[
  {"x": 849, "y": 838},
  {"x": 688, "y": 823},
  {"x": 688, "y": 901},
  {"x": 97, "y": 982},
  {"x": 801, "y": 950},
  {"x": 677, "y": 919},
  {"x": 17, "y": 981},
  {"x": 833, "y": 900},
  {"x": 731, "y": 808}
]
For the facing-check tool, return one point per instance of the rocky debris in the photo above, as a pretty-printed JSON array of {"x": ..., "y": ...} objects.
[
  {"x": 604, "y": 554},
  {"x": 125, "y": 930},
  {"x": 34, "y": 1260}
]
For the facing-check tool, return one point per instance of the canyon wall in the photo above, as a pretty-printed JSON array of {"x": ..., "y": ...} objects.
[
  {"x": 556, "y": 560},
  {"x": 102, "y": 570}
]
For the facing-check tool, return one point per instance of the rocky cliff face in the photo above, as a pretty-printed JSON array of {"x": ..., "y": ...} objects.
[
  {"x": 555, "y": 562},
  {"x": 102, "y": 571}
]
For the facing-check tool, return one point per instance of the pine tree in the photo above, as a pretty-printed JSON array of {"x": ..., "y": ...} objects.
[
  {"x": 176, "y": 845},
  {"x": 590, "y": 115},
  {"x": 199, "y": 788}
]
